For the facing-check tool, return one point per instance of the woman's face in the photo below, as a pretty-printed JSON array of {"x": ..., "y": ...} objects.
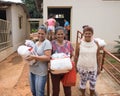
[
  {"x": 41, "y": 35},
  {"x": 60, "y": 35},
  {"x": 88, "y": 36}
]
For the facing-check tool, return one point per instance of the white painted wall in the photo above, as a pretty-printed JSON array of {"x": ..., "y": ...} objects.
[
  {"x": 18, "y": 35},
  {"x": 103, "y": 16},
  {"x": 5, "y": 53}
]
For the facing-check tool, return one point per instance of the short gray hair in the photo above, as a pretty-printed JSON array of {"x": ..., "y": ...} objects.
[
  {"x": 59, "y": 28},
  {"x": 42, "y": 27}
]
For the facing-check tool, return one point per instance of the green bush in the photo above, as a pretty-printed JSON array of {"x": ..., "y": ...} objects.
[
  {"x": 34, "y": 30},
  {"x": 118, "y": 45}
]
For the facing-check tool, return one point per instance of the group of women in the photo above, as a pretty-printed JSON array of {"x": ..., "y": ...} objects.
[{"x": 87, "y": 65}]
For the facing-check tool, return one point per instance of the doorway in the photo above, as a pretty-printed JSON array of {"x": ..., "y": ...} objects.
[{"x": 60, "y": 15}]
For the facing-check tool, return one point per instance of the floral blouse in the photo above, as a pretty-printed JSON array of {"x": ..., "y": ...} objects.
[{"x": 66, "y": 48}]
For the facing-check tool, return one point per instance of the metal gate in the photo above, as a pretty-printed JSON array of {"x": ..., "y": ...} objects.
[{"x": 5, "y": 36}]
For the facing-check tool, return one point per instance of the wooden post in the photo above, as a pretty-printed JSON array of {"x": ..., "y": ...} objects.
[
  {"x": 48, "y": 84},
  {"x": 103, "y": 57}
]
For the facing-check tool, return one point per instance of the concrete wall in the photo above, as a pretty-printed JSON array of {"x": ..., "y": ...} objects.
[
  {"x": 18, "y": 36},
  {"x": 103, "y": 16}
]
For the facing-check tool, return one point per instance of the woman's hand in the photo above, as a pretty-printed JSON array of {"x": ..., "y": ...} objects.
[{"x": 30, "y": 57}]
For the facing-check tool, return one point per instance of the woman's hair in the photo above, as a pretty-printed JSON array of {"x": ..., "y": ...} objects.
[
  {"x": 88, "y": 29},
  {"x": 42, "y": 27},
  {"x": 59, "y": 28},
  {"x": 85, "y": 26},
  {"x": 51, "y": 16}
]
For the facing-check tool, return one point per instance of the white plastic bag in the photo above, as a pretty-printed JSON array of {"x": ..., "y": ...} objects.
[
  {"x": 101, "y": 42},
  {"x": 58, "y": 55},
  {"x": 30, "y": 43},
  {"x": 61, "y": 64},
  {"x": 25, "y": 51}
]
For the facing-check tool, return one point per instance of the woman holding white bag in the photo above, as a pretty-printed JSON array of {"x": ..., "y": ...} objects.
[
  {"x": 38, "y": 71},
  {"x": 60, "y": 45}
]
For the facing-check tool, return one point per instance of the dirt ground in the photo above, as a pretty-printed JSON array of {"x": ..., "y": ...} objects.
[
  {"x": 14, "y": 77},
  {"x": 14, "y": 80}
]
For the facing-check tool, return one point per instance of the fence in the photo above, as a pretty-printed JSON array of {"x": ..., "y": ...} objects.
[
  {"x": 111, "y": 64},
  {"x": 5, "y": 37}
]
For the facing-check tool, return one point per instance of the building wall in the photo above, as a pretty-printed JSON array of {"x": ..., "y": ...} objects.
[
  {"x": 18, "y": 36},
  {"x": 103, "y": 16}
]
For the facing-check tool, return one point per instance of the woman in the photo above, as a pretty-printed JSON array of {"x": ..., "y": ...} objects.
[
  {"x": 51, "y": 22},
  {"x": 38, "y": 71},
  {"x": 67, "y": 29},
  {"x": 60, "y": 45},
  {"x": 88, "y": 61}
]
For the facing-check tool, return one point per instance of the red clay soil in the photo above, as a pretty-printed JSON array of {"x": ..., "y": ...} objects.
[
  {"x": 14, "y": 80},
  {"x": 18, "y": 86}
]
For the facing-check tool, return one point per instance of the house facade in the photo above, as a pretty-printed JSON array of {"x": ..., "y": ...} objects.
[
  {"x": 102, "y": 15},
  {"x": 14, "y": 27}
]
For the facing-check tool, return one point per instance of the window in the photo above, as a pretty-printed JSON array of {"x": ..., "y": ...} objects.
[
  {"x": 3, "y": 14},
  {"x": 5, "y": 40},
  {"x": 59, "y": 16},
  {"x": 34, "y": 26},
  {"x": 20, "y": 22}
]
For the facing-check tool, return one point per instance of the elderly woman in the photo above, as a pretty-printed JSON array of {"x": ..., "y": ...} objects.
[
  {"x": 38, "y": 71},
  {"x": 88, "y": 64},
  {"x": 60, "y": 45}
]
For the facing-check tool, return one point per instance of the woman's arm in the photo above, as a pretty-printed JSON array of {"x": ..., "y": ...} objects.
[
  {"x": 77, "y": 53},
  {"x": 72, "y": 56},
  {"x": 98, "y": 59},
  {"x": 45, "y": 57}
]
